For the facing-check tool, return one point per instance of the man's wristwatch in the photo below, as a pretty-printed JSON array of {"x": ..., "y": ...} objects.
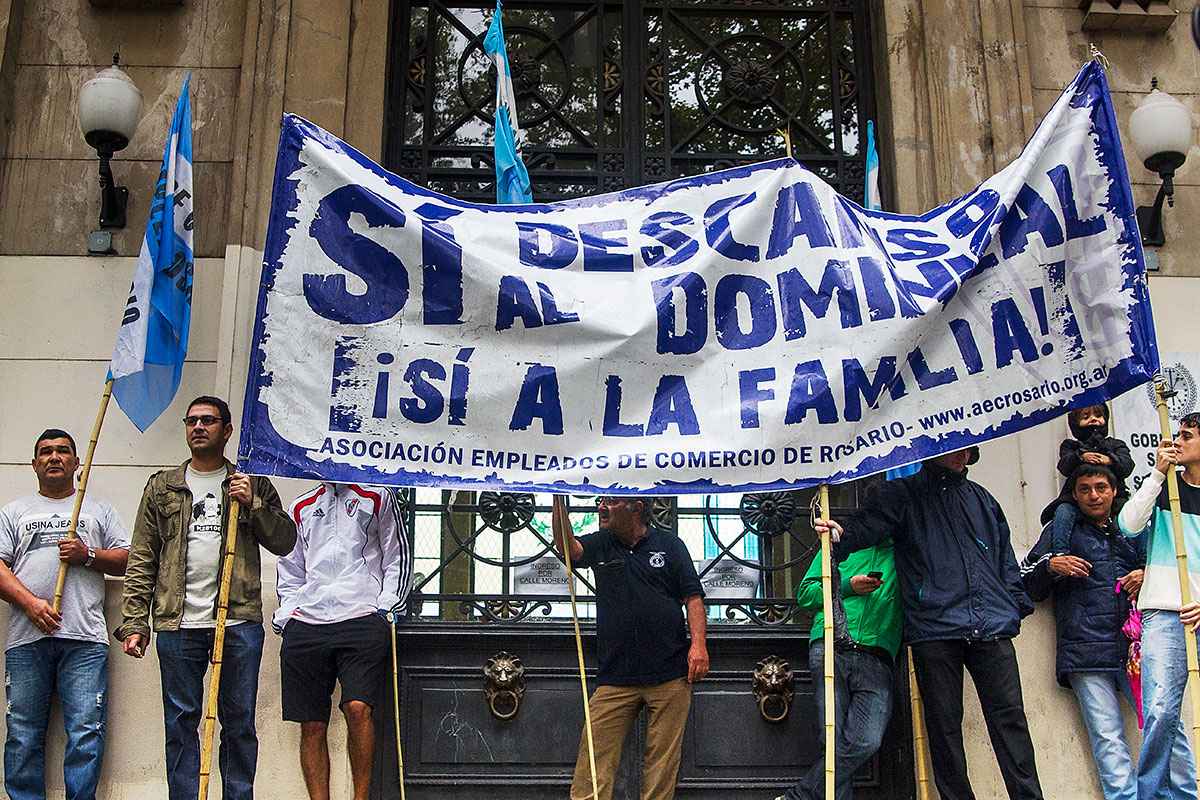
[{"x": 91, "y": 557}]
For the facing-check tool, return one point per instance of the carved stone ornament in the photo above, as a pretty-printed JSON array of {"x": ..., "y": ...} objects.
[
  {"x": 773, "y": 688},
  {"x": 504, "y": 684}
]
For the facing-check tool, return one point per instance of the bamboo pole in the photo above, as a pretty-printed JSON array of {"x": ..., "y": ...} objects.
[
  {"x": 82, "y": 489},
  {"x": 1185, "y": 584},
  {"x": 827, "y": 607},
  {"x": 920, "y": 745},
  {"x": 214, "y": 682},
  {"x": 396, "y": 702},
  {"x": 560, "y": 515}
]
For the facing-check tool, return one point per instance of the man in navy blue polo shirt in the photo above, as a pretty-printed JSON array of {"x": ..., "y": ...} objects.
[{"x": 643, "y": 576}]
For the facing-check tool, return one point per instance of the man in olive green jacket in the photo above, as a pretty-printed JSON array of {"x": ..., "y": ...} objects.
[
  {"x": 174, "y": 570},
  {"x": 865, "y": 653}
]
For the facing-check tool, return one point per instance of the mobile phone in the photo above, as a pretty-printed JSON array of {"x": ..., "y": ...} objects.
[{"x": 877, "y": 575}]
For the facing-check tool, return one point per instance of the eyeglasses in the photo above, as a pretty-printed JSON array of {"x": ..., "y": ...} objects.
[
  {"x": 208, "y": 420},
  {"x": 609, "y": 501}
]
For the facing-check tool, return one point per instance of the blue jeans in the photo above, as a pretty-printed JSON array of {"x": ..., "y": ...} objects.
[
  {"x": 1166, "y": 768},
  {"x": 1099, "y": 695},
  {"x": 862, "y": 698},
  {"x": 183, "y": 658},
  {"x": 78, "y": 671}
]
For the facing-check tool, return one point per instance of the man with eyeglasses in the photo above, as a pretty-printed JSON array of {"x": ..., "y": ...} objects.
[
  {"x": 174, "y": 569},
  {"x": 63, "y": 652},
  {"x": 643, "y": 575}
]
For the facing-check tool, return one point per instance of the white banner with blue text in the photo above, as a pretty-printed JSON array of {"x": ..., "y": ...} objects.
[{"x": 743, "y": 330}]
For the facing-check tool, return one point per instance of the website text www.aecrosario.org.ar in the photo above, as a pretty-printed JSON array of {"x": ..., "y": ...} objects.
[{"x": 1003, "y": 402}]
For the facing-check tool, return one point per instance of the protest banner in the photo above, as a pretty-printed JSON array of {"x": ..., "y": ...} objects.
[{"x": 744, "y": 330}]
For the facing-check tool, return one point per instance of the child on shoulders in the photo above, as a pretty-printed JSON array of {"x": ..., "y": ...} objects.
[{"x": 1090, "y": 444}]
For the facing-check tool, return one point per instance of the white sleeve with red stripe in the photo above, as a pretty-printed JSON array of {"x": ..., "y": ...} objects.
[{"x": 290, "y": 570}]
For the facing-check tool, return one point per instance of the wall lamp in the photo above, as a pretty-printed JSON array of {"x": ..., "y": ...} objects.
[
  {"x": 1161, "y": 130},
  {"x": 109, "y": 108}
]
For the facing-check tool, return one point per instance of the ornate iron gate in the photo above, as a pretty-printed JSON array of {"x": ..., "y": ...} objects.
[
  {"x": 620, "y": 94},
  {"x": 614, "y": 94},
  {"x": 490, "y": 693}
]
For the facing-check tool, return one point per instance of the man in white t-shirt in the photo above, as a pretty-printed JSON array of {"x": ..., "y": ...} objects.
[
  {"x": 50, "y": 651},
  {"x": 350, "y": 566},
  {"x": 174, "y": 572}
]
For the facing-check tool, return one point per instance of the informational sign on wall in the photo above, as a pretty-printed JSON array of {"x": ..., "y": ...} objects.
[{"x": 1135, "y": 413}]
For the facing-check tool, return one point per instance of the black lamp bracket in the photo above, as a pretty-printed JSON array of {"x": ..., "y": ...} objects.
[{"x": 1150, "y": 218}]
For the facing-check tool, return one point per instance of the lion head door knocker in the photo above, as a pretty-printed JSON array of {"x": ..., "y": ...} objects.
[
  {"x": 504, "y": 684},
  {"x": 773, "y": 688}
]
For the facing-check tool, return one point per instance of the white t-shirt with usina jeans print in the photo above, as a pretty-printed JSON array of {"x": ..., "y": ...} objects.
[{"x": 30, "y": 529}]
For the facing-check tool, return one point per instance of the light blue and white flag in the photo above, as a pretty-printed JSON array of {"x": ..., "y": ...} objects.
[
  {"x": 871, "y": 203},
  {"x": 872, "y": 198},
  {"x": 512, "y": 180},
  {"x": 153, "y": 338}
]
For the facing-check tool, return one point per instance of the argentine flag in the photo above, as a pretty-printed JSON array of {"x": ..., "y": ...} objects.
[
  {"x": 512, "y": 181},
  {"x": 872, "y": 200},
  {"x": 152, "y": 341}
]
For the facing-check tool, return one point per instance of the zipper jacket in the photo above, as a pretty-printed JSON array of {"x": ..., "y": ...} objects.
[
  {"x": 156, "y": 576},
  {"x": 1149, "y": 511},
  {"x": 957, "y": 573},
  {"x": 873, "y": 619},
  {"x": 350, "y": 559}
]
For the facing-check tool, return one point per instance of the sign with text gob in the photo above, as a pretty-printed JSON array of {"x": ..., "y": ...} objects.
[{"x": 744, "y": 330}]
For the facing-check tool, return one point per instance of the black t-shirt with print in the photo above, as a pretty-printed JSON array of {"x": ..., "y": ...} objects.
[{"x": 641, "y": 632}]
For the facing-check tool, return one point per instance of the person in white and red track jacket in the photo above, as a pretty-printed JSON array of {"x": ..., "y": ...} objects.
[{"x": 351, "y": 566}]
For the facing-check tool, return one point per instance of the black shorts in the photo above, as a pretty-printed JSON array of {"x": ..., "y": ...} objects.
[{"x": 354, "y": 653}]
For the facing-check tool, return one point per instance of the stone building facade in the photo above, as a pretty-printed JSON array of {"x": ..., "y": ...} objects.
[{"x": 959, "y": 86}]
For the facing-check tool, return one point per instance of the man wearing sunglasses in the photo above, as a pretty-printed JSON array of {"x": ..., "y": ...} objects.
[
  {"x": 643, "y": 575},
  {"x": 175, "y": 569}
]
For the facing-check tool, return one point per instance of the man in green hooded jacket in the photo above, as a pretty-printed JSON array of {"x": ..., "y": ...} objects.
[{"x": 865, "y": 648}]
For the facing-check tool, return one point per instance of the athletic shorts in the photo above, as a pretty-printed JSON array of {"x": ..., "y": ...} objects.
[{"x": 354, "y": 653}]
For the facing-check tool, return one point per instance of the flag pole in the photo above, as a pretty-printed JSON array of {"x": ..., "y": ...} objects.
[
  {"x": 560, "y": 514},
  {"x": 827, "y": 608},
  {"x": 214, "y": 682},
  {"x": 920, "y": 745},
  {"x": 396, "y": 702},
  {"x": 82, "y": 489},
  {"x": 1185, "y": 587}
]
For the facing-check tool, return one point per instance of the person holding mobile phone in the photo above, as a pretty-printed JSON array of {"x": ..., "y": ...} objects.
[{"x": 864, "y": 655}]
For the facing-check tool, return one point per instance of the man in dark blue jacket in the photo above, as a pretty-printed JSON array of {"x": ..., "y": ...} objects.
[
  {"x": 1089, "y": 613},
  {"x": 963, "y": 603}
]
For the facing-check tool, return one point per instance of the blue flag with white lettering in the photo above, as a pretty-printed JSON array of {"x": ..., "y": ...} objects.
[
  {"x": 512, "y": 180},
  {"x": 152, "y": 341}
]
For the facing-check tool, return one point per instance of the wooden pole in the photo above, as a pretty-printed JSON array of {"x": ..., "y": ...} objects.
[
  {"x": 920, "y": 746},
  {"x": 1185, "y": 584},
  {"x": 214, "y": 682},
  {"x": 396, "y": 702},
  {"x": 559, "y": 510},
  {"x": 827, "y": 607},
  {"x": 82, "y": 489}
]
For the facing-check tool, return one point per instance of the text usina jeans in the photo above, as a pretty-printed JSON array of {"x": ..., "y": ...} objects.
[
  {"x": 78, "y": 672},
  {"x": 1166, "y": 768},
  {"x": 183, "y": 658},
  {"x": 862, "y": 698}
]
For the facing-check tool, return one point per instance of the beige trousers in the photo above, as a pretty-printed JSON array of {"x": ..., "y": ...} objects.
[{"x": 613, "y": 710}]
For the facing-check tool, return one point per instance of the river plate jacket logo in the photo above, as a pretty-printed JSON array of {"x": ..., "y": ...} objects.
[{"x": 1179, "y": 379}]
